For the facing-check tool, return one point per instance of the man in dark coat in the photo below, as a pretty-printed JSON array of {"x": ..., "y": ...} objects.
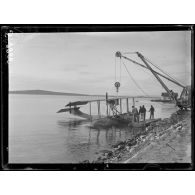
[
  {"x": 144, "y": 112},
  {"x": 135, "y": 114},
  {"x": 151, "y": 112},
  {"x": 140, "y": 111}
]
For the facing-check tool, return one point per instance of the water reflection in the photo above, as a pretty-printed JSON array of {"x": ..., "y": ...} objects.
[
  {"x": 98, "y": 136},
  {"x": 119, "y": 133},
  {"x": 111, "y": 135},
  {"x": 71, "y": 124},
  {"x": 85, "y": 142},
  {"x": 89, "y": 139}
]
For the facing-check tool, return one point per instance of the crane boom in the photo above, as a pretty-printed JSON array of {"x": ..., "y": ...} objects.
[{"x": 156, "y": 75}]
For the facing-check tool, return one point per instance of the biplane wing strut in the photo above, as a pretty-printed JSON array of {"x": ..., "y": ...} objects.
[{"x": 111, "y": 102}]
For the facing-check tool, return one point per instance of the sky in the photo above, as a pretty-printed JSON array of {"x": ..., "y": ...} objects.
[{"x": 85, "y": 62}]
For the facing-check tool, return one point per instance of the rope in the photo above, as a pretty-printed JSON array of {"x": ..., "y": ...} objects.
[
  {"x": 120, "y": 70},
  {"x": 152, "y": 77},
  {"x": 161, "y": 70},
  {"x": 148, "y": 73},
  {"x": 135, "y": 81},
  {"x": 115, "y": 67}
]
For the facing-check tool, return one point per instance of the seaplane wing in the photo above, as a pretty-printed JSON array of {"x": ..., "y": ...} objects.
[
  {"x": 67, "y": 109},
  {"x": 73, "y": 109},
  {"x": 78, "y": 103},
  {"x": 73, "y": 105}
]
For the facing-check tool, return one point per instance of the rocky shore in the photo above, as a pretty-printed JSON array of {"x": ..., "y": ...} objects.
[{"x": 165, "y": 141}]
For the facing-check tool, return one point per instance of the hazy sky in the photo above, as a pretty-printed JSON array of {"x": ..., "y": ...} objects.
[{"x": 85, "y": 62}]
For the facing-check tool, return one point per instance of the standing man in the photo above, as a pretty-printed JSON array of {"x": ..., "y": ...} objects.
[
  {"x": 135, "y": 114},
  {"x": 144, "y": 112},
  {"x": 140, "y": 113},
  {"x": 151, "y": 112}
]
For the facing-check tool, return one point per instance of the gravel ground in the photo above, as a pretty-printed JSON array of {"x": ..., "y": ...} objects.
[
  {"x": 172, "y": 147},
  {"x": 164, "y": 141}
]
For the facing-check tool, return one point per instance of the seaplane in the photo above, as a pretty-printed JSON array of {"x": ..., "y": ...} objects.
[
  {"x": 114, "y": 110},
  {"x": 114, "y": 116}
]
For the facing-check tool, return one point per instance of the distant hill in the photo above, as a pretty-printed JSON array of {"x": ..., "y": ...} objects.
[{"x": 43, "y": 92}]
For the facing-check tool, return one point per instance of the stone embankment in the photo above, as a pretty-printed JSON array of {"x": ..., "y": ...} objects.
[{"x": 168, "y": 140}]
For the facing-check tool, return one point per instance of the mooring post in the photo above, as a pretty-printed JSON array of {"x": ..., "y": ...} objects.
[
  {"x": 121, "y": 106},
  {"x": 127, "y": 105}
]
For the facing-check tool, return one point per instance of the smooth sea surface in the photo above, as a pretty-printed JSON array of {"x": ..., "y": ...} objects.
[{"x": 37, "y": 134}]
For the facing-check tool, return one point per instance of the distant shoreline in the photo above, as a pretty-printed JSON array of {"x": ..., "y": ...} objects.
[{"x": 44, "y": 92}]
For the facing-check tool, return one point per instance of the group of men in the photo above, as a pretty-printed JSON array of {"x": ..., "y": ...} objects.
[{"x": 141, "y": 114}]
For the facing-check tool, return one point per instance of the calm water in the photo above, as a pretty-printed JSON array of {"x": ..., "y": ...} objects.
[{"x": 37, "y": 134}]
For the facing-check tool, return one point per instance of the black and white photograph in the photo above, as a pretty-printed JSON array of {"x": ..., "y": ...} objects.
[{"x": 120, "y": 97}]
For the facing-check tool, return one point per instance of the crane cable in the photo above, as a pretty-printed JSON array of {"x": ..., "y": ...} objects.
[
  {"x": 116, "y": 71},
  {"x": 151, "y": 64},
  {"x": 115, "y": 68},
  {"x": 120, "y": 71},
  {"x": 134, "y": 80},
  {"x": 149, "y": 73},
  {"x": 161, "y": 70}
]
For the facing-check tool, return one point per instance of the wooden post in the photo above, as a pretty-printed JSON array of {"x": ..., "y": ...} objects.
[
  {"x": 99, "y": 110},
  {"x": 121, "y": 106},
  {"x": 98, "y": 104},
  {"x": 70, "y": 107},
  {"x": 127, "y": 105},
  {"x": 106, "y": 104},
  {"x": 133, "y": 102},
  {"x": 90, "y": 109}
]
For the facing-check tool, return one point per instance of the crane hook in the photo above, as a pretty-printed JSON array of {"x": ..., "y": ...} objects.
[{"x": 117, "y": 85}]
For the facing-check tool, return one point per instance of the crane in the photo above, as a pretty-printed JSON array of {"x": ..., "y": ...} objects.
[{"x": 184, "y": 101}]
